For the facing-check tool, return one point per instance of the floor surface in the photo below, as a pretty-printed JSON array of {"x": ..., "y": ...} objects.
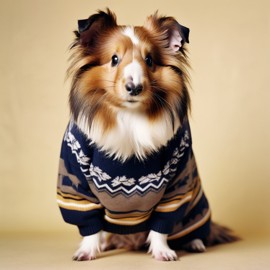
[{"x": 52, "y": 251}]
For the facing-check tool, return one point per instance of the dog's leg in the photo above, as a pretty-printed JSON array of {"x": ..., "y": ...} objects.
[
  {"x": 195, "y": 245},
  {"x": 89, "y": 248},
  {"x": 159, "y": 247}
]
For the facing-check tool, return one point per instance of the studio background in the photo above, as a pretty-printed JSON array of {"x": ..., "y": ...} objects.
[{"x": 229, "y": 55}]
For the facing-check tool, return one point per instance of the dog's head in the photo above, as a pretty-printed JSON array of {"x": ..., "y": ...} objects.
[
  {"x": 129, "y": 68},
  {"x": 129, "y": 91}
]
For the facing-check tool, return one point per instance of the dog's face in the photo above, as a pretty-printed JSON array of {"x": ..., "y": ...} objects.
[{"x": 139, "y": 68}]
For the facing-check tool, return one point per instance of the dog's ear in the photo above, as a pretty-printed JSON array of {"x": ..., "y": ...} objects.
[
  {"x": 178, "y": 37},
  {"x": 89, "y": 29},
  {"x": 176, "y": 34}
]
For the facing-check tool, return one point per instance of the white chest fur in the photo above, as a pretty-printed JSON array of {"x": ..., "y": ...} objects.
[{"x": 133, "y": 134}]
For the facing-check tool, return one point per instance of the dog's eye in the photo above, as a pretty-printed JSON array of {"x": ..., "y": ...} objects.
[
  {"x": 149, "y": 61},
  {"x": 115, "y": 60}
]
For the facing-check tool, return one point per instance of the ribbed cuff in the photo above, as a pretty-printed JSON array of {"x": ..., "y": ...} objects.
[
  {"x": 95, "y": 226},
  {"x": 162, "y": 226}
]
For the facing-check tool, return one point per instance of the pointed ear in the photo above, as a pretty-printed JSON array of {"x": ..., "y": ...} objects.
[
  {"x": 89, "y": 29},
  {"x": 83, "y": 25},
  {"x": 178, "y": 37},
  {"x": 176, "y": 34}
]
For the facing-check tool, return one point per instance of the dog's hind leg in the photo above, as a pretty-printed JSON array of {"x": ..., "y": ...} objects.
[{"x": 195, "y": 245}]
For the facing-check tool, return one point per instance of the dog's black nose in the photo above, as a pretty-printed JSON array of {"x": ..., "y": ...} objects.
[{"x": 133, "y": 89}]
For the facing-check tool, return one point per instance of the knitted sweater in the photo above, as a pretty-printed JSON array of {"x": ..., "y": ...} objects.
[{"x": 161, "y": 193}]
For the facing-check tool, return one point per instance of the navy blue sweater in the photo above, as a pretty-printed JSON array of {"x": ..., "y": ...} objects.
[{"x": 161, "y": 193}]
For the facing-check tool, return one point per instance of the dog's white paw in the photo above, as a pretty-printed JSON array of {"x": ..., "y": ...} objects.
[
  {"x": 159, "y": 248},
  {"x": 163, "y": 254},
  {"x": 195, "y": 245},
  {"x": 89, "y": 248}
]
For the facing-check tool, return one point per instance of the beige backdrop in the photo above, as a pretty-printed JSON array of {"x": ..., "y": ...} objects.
[{"x": 230, "y": 56}]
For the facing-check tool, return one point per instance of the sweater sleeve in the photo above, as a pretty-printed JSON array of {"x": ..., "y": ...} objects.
[
  {"x": 78, "y": 205},
  {"x": 179, "y": 192}
]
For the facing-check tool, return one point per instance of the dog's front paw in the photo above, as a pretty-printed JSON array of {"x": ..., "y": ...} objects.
[
  {"x": 163, "y": 254},
  {"x": 159, "y": 248},
  {"x": 89, "y": 248},
  {"x": 83, "y": 255}
]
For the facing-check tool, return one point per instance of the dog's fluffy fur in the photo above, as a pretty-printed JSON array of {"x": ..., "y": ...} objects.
[
  {"x": 118, "y": 121},
  {"x": 129, "y": 96}
]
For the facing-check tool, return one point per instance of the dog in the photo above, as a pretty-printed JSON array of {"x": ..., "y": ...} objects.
[{"x": 127, "y": 175}]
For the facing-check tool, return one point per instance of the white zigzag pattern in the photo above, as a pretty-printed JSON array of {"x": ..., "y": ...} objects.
[
  {"x": 135, "y": 188},
  {"x": 95, "y": 171}
]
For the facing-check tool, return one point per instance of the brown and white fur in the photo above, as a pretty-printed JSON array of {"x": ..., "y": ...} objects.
[{"x": 129, "y": 95}]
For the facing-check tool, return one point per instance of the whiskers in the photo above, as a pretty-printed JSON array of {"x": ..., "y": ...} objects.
[
  {"x": 100, "y": 90},
  {"x": 160, "y": 96},
  {"x": 162, "y": 105}
]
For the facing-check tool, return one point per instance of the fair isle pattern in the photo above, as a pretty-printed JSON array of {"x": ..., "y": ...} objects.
[
  {"x": 163, "y": 193},
  {"x": 75, "y": 147},
  {"x": 122, "y": 184}
]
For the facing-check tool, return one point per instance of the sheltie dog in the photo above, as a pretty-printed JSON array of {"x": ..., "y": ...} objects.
[{"x": 127, "y": 166}]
